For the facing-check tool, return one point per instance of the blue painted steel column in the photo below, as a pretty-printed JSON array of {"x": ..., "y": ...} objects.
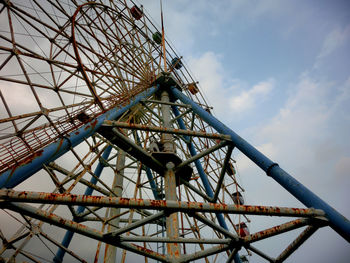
[
  {"x": 337, "y": 221},
  {"x": 69, "y": 234},
  {"x": 152, "y": 183},
  {"x": 18, "y": 174},
  {"x": 202, "y": 174}
]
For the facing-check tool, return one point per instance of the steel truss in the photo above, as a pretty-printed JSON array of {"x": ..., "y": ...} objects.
[{"x": 123, "y": 154}]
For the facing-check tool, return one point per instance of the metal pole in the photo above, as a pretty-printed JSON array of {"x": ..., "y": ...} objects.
[
  {"x": 296, "y": 243},
  {"x": 136, "y": 224},
  {"x": 337, "y": 221},
  {"x": 276, "y": 230},
  {"x": 226, "y": 241},
  {"x": 261, "y": 254},
  {"x": 111, "y": 251},
  {"x": 205, "y": 253},
  {"x": 9, "y": 196},
  {"x": 172, "y": 222},
  {"x": 143, "y": 127}
]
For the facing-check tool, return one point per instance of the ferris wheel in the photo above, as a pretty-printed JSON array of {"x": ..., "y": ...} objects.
[
  {"x": 109, "y": 151},
  {"x": 81, "y": 114}
]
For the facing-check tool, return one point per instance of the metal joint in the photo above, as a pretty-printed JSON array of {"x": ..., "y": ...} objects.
[{"x": 268, "y": 170}]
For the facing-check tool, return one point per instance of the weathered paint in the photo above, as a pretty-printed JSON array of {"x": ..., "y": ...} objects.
[
  {"x": 183, "y": 206},
  {"x": 276, "y": 230},
  {"x": 172, "y": 221},
  {"x": 296, "y": 243}
]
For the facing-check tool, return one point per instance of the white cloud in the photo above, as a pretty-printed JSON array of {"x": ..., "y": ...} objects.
[
  {"x": 335, "y": 39},
  {"x": 210, "y": 73},
  {"x": 222, "y": 91},
  {"x": 342, "y": 167},
  {"x": 308, "y": 136},
  {"x": 248, "y": 99}
]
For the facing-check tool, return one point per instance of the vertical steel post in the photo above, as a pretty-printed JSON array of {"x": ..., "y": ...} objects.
[
  {"x": 337, "y": 221},
  {"x": 172, "y": 222},
  {"x": 117, "y": 188}
]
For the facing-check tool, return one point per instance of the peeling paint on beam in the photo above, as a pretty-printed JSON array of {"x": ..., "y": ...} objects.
[
  {"x": 276, "y": 230},
  {"x": 102, "y": 201}
]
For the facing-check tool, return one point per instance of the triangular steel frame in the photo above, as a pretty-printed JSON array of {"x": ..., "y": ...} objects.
[{"x": 317, "y": 215}]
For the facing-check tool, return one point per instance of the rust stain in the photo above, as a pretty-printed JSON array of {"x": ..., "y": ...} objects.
[
  {"x": 59, "y": 146},
  {"x": 25, "y": 161},
  {"x": 148, "y": 251},
  {"x": 158, "y": 203},
  {"x": 93, "y": 123}
]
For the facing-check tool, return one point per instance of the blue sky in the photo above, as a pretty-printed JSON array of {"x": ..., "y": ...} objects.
[{"x": 277, "y": 73}]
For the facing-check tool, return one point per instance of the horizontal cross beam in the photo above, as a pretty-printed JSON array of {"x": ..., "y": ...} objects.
[
  {"x": 134, "y": 126},
  {"x": 133, "y": 203}
]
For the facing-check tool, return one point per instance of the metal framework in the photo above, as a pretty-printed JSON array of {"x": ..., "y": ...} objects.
[{"x": 108, "y": 158}]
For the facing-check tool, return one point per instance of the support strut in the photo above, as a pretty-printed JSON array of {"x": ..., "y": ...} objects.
[{"x": 337, "y": 221}]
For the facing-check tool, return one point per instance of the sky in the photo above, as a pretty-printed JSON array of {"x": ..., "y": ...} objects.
[{"x": 277, "y": 73}]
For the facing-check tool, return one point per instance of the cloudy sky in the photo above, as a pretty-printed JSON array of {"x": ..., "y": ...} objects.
[{"x": 277, "y": 73}]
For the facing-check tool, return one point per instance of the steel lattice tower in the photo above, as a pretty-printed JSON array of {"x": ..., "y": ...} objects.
[{"x": 108, "y": 155}]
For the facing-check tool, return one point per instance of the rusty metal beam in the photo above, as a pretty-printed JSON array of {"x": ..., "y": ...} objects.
[
  {"x": 232, "y": 256},
  {"x": 166, "y": 103},
  {"x": 296, "y": 243},
  {"x": 172, "y": 220},
  {"x": 204, "y": 253},
  {"x": 102, "y": 201},
  {"x": 218, "y": 228},
  {"x": 196, "y": 190},
  {"x": 181, "y": 115},
  {"x": 134, "y": 225},
  {"x": 260, "y": 253},
  {"x": 276, "y": 230},
  {"x": 62, "y": 247},
  {"x": 201, "y": 154},
  {"x": 177, "y": 240},
  {"x": 222, "y": 174},
  {"x": 134, "y": 126}
]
